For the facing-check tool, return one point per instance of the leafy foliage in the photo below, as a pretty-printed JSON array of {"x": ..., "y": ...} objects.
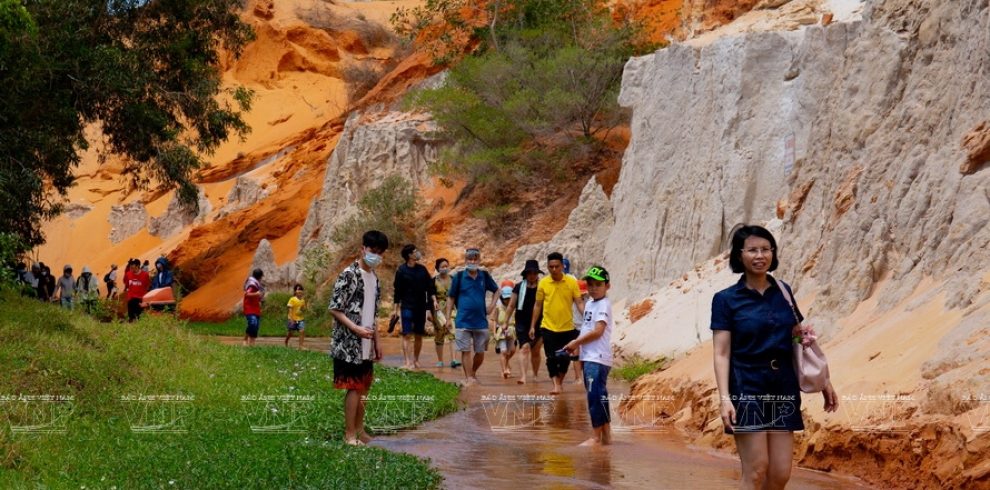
[
  {"x": 540, "y": 90},
  {"x": 144, "y": 72},
  {"x": 390, "y": 208}
]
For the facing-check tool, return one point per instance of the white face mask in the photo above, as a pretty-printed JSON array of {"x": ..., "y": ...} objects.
[
  {"x": 418, "y": 255},
  {"x": 372, "y": 259}
]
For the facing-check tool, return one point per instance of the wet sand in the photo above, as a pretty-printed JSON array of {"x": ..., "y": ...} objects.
[{"x": 510, "y": 435}]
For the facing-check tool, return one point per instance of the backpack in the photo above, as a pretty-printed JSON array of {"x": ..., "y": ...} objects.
[{"x": 106, "y": 278}]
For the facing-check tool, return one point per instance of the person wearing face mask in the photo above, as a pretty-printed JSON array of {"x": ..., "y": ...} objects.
[
  {"x": 413, "y": 294},
  {"x": 467, "y": 292},
  {"x": 442, "y": 331},
  {"x": 354, "y": 341}
]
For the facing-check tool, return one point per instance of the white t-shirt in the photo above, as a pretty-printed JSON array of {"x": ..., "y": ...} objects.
[
  {"x": 368, "y": 307},
  {"x": 368, "y": 311},
  {"x": 600, "y": 349}
]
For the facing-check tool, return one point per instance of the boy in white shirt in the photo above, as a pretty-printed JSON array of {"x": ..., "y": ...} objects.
[{"x": 595, "y": 347}]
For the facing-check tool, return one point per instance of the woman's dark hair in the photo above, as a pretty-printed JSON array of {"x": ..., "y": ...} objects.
[
  {"x": 441, "y": 260},
  {"x": 375, "y": 239},
  {"x": 738, "y": 241},
  {"x": 257, "y": 273},
  {"x": 407, "y": 250}
]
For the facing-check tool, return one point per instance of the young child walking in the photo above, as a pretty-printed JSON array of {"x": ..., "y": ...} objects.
[
  {"x": 595, "y": 347},
  {"x": 505, "y": 329},
  {"x": 254, "y": 292},
  {"x": 296, "y": 323}
]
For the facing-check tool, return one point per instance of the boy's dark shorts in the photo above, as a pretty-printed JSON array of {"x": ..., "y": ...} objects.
[
  {"x": 253, "y": 325},
  {"x": 298, "y": 326},
  {"x": 413, "y": 322}
]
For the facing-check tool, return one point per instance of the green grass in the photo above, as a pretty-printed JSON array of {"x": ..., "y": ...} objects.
[
  {"x": 113, "y": 372},
  {"x": 637, "y": 366},
  {"x": 274, "y": 314}
]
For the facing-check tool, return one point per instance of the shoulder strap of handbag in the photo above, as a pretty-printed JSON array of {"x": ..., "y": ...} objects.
[{"x": 787, "y": 296}]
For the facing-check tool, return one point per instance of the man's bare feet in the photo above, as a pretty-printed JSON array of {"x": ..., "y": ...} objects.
[
  {"x": 364, "y": 437},
  {"x": 591, "y": 442},
  {"x": 520, "y": 381},
  {"x": 354, "y": 442}
]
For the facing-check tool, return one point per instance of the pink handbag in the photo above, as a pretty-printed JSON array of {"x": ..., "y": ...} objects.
[{"x": 810, "y": 364}]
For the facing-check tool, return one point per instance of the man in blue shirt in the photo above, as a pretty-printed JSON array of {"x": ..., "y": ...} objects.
[{"x": 467, "y": 292}]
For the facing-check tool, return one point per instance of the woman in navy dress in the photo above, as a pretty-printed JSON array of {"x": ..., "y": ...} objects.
[{"x": 753, "y": 326}]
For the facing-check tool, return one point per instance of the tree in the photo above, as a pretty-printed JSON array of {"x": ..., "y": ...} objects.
[
  {"x": 144, "y": 71},
  {"x": 539, "y": 91}
]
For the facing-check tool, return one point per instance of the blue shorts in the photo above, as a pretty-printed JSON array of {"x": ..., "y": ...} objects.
[
  {"x": 767, "y": 397},
  {"x": 298, "y": 326},
  {"x": 413, "y": 322},
  {"x": 253, "y": 325}
]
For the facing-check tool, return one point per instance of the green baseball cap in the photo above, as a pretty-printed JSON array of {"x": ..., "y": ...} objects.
[{"x": 597, "y": 273}]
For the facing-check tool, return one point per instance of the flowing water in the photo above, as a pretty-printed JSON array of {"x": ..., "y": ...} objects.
[{"x": 514, "y": 436}]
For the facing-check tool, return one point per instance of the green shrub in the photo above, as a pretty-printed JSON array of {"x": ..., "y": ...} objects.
[
  {"x": 541, "y": 88},
  {"x": 635, "y": 366}
]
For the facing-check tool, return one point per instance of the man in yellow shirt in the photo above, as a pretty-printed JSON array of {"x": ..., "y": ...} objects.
[
  {"x": 554, "y": 296},
  {"x": 296, "y": 323}
]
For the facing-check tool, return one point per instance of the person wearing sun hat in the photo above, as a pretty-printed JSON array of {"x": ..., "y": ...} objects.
[
  {"x": 521, "y": 304},
  {"x": 595, "y": 346},
  {"x": 505, "y": 329}
]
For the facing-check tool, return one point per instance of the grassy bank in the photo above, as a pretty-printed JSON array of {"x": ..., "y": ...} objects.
[
  {"x": 631, "y": 368},
  {"x": 149, "y": 404},
  {"x": 274, "y": 314}
]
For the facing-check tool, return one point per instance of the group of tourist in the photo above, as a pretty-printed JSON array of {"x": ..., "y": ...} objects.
[
  {"x": 69, "y": 290},
  {"x": 754, "y": 326},
  {"x": 553, "y": 313}
]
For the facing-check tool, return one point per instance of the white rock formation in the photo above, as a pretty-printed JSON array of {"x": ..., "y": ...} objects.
[
  {"x": 126, "y": 220},
  {"x": 370, "y": 149},
  {"x": 177, "y": 217},
  {"x": 582, "y": 240},
  {"x": 76, "y": 210},
  {"x": 857, "y": 125},
  {"x": 246, "y": 191},
  {"x": 275, "y": 277}
]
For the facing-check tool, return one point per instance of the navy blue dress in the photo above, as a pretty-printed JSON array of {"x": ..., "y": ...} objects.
[{"x": 762, "y": 383}]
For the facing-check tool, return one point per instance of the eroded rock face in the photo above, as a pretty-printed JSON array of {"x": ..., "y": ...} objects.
[
  {"x": 76, "y": 210},
  {"x": 126, "y": 220},
  {"x": 582, "y": 240},
  {"x": 177, "y": 217},
  {"x": 370, "y": 149},
  {"x": 275, "y": 277},
  {"x": 245, "y": 192},
  {"x": 861, "y": 122}
]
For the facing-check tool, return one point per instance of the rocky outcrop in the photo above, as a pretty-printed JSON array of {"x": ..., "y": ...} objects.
[
  {"x": 977, "y": 145},
  {"x": 582, "y": 240},
  {"x": 177, "y": 217},
  {"x": 370, "y": 149},
  {"x": 866, "y": 116},
  {"x": 126, "y": 220},
  {"x": 276, "y": 277},
  {"x": 76, "y": 210},
  {"x": 245, "y": 192},
  {"x": 866, "y": 139}
]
